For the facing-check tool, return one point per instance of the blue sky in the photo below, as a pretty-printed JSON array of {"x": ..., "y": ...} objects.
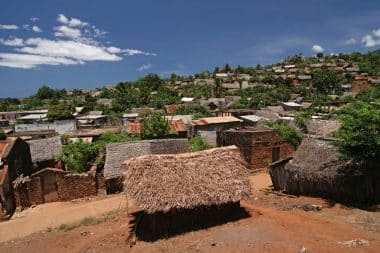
[{"x": 85, "y": 44}]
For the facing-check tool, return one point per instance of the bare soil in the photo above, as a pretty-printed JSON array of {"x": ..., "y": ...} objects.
[{"x": 277, "y": 223}]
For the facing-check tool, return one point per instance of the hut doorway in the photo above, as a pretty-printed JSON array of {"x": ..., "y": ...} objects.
[{"x": 49, "y": 188}]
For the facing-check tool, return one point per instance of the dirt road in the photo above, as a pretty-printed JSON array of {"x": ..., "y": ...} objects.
[
  {"x": 276, "y": 224},
  {"x": 54, "y": 214}
]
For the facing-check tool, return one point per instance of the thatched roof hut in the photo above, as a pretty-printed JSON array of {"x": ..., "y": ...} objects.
[
  {"x": 43, "y": 150},
  {"x": 318, "y": 170},
  {"x": 160, "y": 183}
]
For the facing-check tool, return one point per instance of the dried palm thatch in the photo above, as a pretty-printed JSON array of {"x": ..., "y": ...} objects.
[
  {"x": 317, "y": 169},
  {"x": 160, "y": 183}
]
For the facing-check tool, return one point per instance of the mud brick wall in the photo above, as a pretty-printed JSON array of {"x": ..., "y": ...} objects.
[
  {"x": 75, "y": 186},
  {"x": 35, "y": 191},
  {"x": 256, "y": 146},
  {"x": 100, "y": 183}
]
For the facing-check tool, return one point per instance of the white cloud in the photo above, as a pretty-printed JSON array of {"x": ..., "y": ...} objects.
[
  {"x": 350, "y": 41},
  {"x": 72, "y": 22},
  {"x": 28, "y": 61},
  {"x": 376, "y": 32},
  {"x": 12, "y": 42},
  {"x": 65, "y": 31},
  {"x": 36, "y": 29},
  {"x": 34, "y": 19},
  {"x": 78, "y": 45},
  {"x": 369, "y": 41},
  {"x": 144, "y": 67},
  {"x": 8, "y": 27},
  {"x": 136, "y": 52},
  {"x": 318, "y": 49},
  {"x": 372, "y": 40},
  {"x": 69, "y": 49}
]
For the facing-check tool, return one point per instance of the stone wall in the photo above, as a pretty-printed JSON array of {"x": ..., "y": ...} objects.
[{"x": 75, "y": 186}]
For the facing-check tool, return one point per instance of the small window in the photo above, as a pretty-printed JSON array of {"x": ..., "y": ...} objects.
[{"x": 275, "y": 154}]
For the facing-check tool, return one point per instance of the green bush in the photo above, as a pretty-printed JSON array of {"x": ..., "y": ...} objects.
[
  {"x": 154, "y": 126},
  {"x": 77, "y": 156},
  {"x": 198, "y": 143},
  {"x": 360, "y": 132},
  {"x": 289, "y": 133}
]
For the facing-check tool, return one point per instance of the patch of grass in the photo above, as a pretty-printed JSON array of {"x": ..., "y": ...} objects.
[
  {"x": 88, "y": 221},
  {"x": 65, "y": 227}
]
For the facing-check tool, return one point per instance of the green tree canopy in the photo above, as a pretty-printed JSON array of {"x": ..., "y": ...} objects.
[
  {"x": 60, "y": 111},
  {"x": 154, "y": 126},
  {"x": 360, "y": 132},
  {"x": 326, "y": 81},
  {"x": 77, "y": 156}
]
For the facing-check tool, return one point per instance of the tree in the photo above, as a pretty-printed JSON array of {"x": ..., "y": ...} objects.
[
  {"x": 360, "y": 132},
  {"x": 154, "y": 126},
  {"x": 60, "y": 111},
  {"x": 77, "y": 156},
  {"x": 326, "y": 81},
  {"x": 45, "y": 92}
]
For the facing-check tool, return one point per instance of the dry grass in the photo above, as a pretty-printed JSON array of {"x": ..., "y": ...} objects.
[{"x": 159, "y": 183}]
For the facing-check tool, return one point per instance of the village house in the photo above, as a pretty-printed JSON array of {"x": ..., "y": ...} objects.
[
  {"x": 251, "y": 120},
  {"x": 32, "y": 118},
  {"x": 176, "y": 126},
  {"x": 51, "y": 185},
  {"x": 127, "y": 117},
  {"x": 43, "y": 152},
  {"x": 92, "y": 119},
  {"x": 116, "y": 153},
  {"x": 259, "y": 146},
  {"x": 213, "y": 124},
  {"x": 171, "y": 109},
  {"x": 291, "y": 106},
  {"x": 171, "y": 194},
  {"x": 12, "y": 116},
  {"x": 15, "y": 160},
  {"x": 59, "y": 126}
]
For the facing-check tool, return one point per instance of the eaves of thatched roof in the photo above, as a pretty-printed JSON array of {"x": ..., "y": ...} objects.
[
  {"x": 45, "y": 149},
  {"x": 160, "y": 183}
]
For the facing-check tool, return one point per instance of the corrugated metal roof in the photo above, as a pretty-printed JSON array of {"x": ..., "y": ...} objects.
[
  {"x": 177, "y": 126},
  {"x": 134, "y": 127},
  {"x": 34, "y": 116},
  {"x": 215, "y": 120}
]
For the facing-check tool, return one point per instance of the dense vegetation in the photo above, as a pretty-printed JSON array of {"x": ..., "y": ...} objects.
[
  {"x": 360, "y": 131},
  {"x": 198, "y": 143}
]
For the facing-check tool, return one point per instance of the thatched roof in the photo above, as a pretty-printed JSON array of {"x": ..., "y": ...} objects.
[
  {"x": 316, "y": 156},
  {"x": 45, "y": 149},
  {"x": 323, "y": 127},
  {"x": 159, "y": 183}
]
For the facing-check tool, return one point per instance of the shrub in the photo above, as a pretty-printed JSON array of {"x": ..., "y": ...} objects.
[
  {"x": 154, "y": 126},
  {"x": 198, "y": 143},
  {"x": 289, "y": 133},
  {"x": 77, "y": 156}
]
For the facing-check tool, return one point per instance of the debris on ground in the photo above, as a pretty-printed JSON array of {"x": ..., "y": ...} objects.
[
  {"x": 355, "y": 243},
  {"x": 303, "y": 250},
  {"x": 305, "y": 207}
]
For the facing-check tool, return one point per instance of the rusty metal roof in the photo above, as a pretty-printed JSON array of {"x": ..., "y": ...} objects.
[
  {"x": 134, "y": 127},
  {"x": 177, "y": 126},
  {"x": 215, "y": 120}
]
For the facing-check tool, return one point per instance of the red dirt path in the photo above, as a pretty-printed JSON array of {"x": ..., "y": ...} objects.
[{"x": 275, "y": 225}]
